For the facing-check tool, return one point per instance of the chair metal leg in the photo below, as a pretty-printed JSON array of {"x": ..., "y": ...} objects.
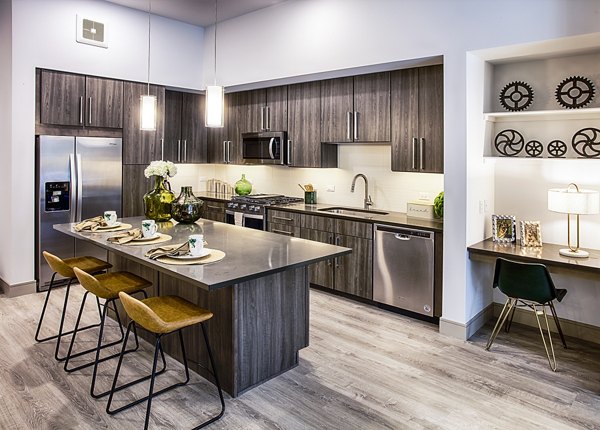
[
  {"x": 215, "y": 374},
  {"x": 551, "y": 361},
  {"x": 510, "y": 319},
  {"x": 557, "y": 322},
  {"x": 37, "y": 332},
  {"x": 508, "y": 306},
  {"x": 151, "y": 389}
]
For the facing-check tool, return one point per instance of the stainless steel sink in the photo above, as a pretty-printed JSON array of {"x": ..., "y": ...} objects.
[{"x": 362, "y": 213}]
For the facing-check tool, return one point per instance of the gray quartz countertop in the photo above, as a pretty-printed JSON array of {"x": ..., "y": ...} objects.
[
  {"x": 391, "y": 218},
  {"x": 250, "y": 254}
]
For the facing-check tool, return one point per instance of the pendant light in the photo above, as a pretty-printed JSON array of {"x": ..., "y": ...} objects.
[
  {"x": 215, "y": 94},
  {"x": 147, "y": 101}
]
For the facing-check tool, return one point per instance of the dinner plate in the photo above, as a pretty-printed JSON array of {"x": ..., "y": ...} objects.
[
  {"x": 204, "y": 253},
  {"x": 144, "y": 239},
  {"x": 107, "y": 227}
]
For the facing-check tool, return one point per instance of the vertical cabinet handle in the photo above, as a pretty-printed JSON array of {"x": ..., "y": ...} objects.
[
  {"x": 225, "y": 151},
  {"x": 355, "y": 125},
  {"x": 337, "y": 260},
  {"x": 229, "y": 151},
  {"x": 185, "y": 150},
  {"x": 81, "y": 110},
  {"x": 422, "y": 153},
  {"x": 162, "y": 149},
  {"x": 348, "y": 125},
  {"x": 262, "y": 118},
  {"x": 178, "y": 150},
  {"x": 289, "y": 152},
  {"x": 331, "y": 242},
  {"x": 414, "y": 157},
  {"x": 268, "y": 118},
  {"x": 89, "y": 110}
]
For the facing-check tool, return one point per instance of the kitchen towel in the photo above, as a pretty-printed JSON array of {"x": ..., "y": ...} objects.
[
  {"x": 91, "y": 224},
  {"x": 169, "y": 250},
  {"x": 126, "y": 236},
  {"x": 238, "y": 218}
]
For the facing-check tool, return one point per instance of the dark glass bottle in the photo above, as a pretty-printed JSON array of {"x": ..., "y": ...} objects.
[{"x": 186, "y": 208}]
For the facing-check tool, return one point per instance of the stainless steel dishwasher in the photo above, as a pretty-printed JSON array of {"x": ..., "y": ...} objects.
[{"x": 403, "y": 268}]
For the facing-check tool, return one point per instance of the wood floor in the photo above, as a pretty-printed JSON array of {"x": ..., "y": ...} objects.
[{"x": 365, "y": 369}]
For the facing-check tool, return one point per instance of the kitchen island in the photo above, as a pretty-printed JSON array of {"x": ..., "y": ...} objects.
[{"x": 258, "y": 294}]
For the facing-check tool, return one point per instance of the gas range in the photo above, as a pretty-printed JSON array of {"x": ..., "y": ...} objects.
[{"x": 255, "y": 203}]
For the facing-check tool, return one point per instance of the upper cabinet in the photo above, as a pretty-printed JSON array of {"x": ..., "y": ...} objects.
[
  {"x": 418, "y": 120},
  {"x": 262, "y": 110},
  {"x": 304, "y": 129},
  {"x": 225, "y": 143},
  {"x": 142, "y": 146},
  {"x": 356, "y": 109},
  {"x": 185, "y": 139},
  {"x": 76, "y": 100}
]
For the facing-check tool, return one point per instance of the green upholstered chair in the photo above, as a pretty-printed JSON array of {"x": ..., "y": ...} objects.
[
  {"x": 162, "y": 316},
  {"x": 529, "y": 285},
  {"x": 64, "y": 267}
]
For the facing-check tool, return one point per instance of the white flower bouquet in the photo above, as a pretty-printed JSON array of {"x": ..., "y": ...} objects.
[{"x": 160, "y": 168}]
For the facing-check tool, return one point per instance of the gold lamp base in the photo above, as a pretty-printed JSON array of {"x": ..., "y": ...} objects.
[{"x": 566, "y": 252}]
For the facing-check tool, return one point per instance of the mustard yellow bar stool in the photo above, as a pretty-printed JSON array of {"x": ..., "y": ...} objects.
[
  {"x": 64, "y": 268},
  {"x": 162, "y": 316},
  {"x": 106, "y": 286}
]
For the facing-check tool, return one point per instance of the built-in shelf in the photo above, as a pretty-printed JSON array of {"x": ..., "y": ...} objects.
[{"x": 543, "y": 115}]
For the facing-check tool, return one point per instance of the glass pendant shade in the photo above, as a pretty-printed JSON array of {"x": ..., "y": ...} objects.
[
  {"x": 215, "y": 96},
  {"x": 148, "y": 112}
]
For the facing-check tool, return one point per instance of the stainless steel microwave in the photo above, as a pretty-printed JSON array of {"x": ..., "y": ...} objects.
[{"x": 264, "y": 147}]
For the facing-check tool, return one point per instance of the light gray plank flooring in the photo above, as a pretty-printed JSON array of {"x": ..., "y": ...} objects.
[{"x": 365, "y": 369}]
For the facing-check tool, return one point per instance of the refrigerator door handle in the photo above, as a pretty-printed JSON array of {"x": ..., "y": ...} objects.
[
  {"x": 72, "y": 191},
  {"x": 79, "y": 181}
]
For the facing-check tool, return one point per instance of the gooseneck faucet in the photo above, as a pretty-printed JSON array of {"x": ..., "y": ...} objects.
[{"x": 367, "y": 202}]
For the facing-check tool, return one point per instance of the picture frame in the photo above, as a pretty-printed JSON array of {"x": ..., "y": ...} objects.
[
  {"x": 504, "y": 228},
  {"x": 531, "y": 233}
]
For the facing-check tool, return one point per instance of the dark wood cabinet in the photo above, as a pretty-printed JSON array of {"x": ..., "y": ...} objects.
[
  {"x": 418, "y": 120},
  {"x": 225, "y": 143},
  {"x": 304, "y": 131},
  {"x": 213, "y": 210},
  {"x": 321, "y": 273},
  {"x": 263, "y": 109},
  {"x": 354, "y": 272},
  {"x": 283, "y": 222},
  {"x": 69, "y": 99},
  {"x": 142, "y": 146},
  {"x": 356, "y": 109},
  {"x": 185, "y": 139},
  {"x": 135, "y": 185}
]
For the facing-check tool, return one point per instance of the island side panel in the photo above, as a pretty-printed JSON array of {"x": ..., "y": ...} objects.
[{"x": 272, "y": 324}]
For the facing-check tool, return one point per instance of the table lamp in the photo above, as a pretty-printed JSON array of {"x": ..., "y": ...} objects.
[{"x": 573, "y": 201}]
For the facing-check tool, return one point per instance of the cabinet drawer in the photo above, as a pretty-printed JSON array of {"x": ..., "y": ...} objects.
[
  {"x": 283, "y": 218},
  {"x": 322, "y": 223},
  {"x": 354, "y": 228},
  {"x": 284, "y": 229}
]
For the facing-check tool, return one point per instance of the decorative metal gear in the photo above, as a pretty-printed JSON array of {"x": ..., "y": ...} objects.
[
  {"x": 575, "y": 92},
  {"x": 586, "y": 142},
  {"x": 509, "y": 142},
  {"x": 534, "y": 148},
  {"x": 557, "y": 148},
  {"x": 516, "y": 96}
]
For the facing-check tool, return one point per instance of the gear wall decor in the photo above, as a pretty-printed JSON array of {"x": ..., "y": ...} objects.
[
  {"x": 575, "y": 92},
  {"x": 516, "y": 96},
  {"x": 534, "y": 148},
  {"x": 557, "y": 148},
  {"x": 509, "y": 142},
  {"x": 586, "y": 142}
]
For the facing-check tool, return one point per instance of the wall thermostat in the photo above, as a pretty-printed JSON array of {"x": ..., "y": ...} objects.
[{"x": 91, "y": 32}]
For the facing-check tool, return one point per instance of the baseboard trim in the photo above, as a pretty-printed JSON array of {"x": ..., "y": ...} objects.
[
  {"x": 16, "y": 290},
  {"x": 570, "y": 328},
  {"x": 465, "y": 331}
]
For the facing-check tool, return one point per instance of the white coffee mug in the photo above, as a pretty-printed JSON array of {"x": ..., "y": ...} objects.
[
  {"x": 110, "y": 218},
  {"x": 196, "y": 244},
  {"x": 149, "y": 227}
]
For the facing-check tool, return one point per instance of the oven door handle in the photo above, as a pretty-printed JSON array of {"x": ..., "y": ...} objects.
[{"x": 271, "y": 143}]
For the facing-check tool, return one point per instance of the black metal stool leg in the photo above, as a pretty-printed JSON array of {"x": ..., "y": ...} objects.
[
  {"x": 214, "y": 370},
  {"x": 151, "y": 389},
  {"x": 37, "y": 332}
]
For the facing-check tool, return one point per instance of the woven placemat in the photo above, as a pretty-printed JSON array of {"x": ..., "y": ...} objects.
[
  {"x": 214, "y": 256},
  {"x": 160, "y": 239},
  {"x": 123, "y": 226}
]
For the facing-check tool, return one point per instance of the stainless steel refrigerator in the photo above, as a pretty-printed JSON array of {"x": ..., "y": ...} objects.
[{"x": 77, "y": 178}]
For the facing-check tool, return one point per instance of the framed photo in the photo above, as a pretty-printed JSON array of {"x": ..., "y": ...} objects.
[
  {"x": 503, "y": 228},
  {"x": 531, "y": 233}
]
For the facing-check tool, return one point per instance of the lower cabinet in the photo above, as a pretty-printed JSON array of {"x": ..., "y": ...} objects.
[
  {"x": 282, "y": 222},
  {"x": 213, "y": 210}
]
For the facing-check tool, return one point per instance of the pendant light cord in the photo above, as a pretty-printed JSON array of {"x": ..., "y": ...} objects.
[
  {"x": 215, "y": 75},
  {"x": 149, "y": 11}
]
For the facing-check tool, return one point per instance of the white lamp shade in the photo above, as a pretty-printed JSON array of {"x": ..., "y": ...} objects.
[
  {"x": 148, "y": 112},
  {"x": 215, "y": 106},
  {"x": 571, "y": 201}
]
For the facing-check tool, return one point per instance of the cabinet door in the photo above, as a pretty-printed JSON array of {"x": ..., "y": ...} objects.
[
  {"x": 193, "y": 131},
  {"x": 62, "y": 98},
  {"x": 249, "y": 110},
  {"x": 172, "y": 140},
  {"x": 405, "y": 122},
  {"x": 135, "y": 185},
  {"x": 104, "y": 102},
  {"x": 371, "y": 119},
  {"x": 320, "y": 273},
  {"x": 216, "y": 137},
  {"x": 141, "y": 147},
  {"x": 354, "y": 272},
  {"x": 238, "y": 119},
  {"x": 431, "y": 119},
  {"x": 337, "y": 108},
  {"x": 213, "y": 210},
  {"x": 276, "y": 112}
]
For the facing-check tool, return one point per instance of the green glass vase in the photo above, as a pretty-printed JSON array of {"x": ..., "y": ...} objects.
[
  {"x": 157, "y": 203},
  {"x": 187, "y": 207},
  {"x": 243, "y": 187}
]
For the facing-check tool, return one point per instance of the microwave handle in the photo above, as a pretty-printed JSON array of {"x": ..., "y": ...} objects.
[{"x": 271, "y": 142}]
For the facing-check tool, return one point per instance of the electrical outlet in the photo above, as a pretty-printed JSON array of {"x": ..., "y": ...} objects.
[
  {"x": 424, "y": 196},
  {"x": 330, "y": 188},
  {"x": 481, "y": 207}
]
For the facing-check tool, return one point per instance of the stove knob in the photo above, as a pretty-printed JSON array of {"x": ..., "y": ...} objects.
[
  {"x": 253, "y": 208},
  {"x": 243, "y": 207},
  {"x": 234, "y": 205}
]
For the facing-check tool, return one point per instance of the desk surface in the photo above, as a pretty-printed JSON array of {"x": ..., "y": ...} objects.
[{"x": 546, "y": 254}]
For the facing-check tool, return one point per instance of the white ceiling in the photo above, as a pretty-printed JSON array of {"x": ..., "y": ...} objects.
[{"x": 198, "y": 12}]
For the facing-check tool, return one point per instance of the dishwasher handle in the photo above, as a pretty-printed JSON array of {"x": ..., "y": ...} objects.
[{"x": 401, "y": 236}]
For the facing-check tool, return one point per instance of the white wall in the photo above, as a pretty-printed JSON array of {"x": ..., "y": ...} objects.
[
  {"x": 321, "y": 35},
  {"x": 43, "y": 35}
]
